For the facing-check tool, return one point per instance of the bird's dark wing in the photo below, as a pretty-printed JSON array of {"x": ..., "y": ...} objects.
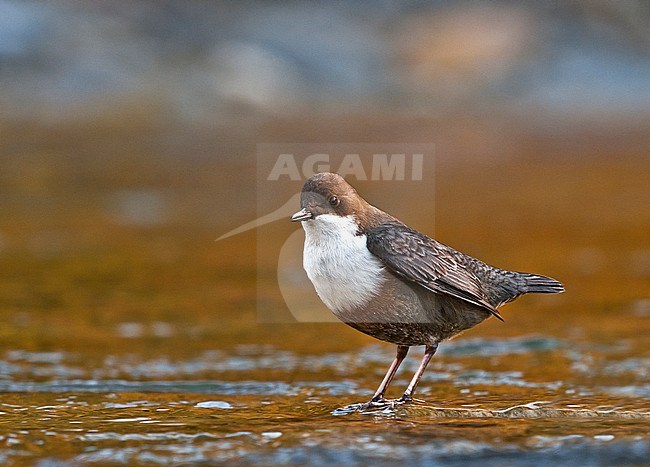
[{"x": 420, "y": 259}]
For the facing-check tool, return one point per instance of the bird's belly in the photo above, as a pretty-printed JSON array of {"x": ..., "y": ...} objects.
[{"x": 410, "y": 315}]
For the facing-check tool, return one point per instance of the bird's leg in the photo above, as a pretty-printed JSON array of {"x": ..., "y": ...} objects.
[
  {"x": 428, "y": 353},
  {"x": 402, "y": 350}
]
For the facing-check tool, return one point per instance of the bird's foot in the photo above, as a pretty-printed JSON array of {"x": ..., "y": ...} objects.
[
  {"x": 405, "y": 398},
  {"x": 382, "y": 404},
  {"x": 375, "y": 405},
  {"x": 372, "y": 405},
  {"x": 349, "y": 409}
]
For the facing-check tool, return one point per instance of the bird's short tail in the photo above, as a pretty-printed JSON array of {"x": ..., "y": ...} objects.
[{"x": 534, "y": 283}]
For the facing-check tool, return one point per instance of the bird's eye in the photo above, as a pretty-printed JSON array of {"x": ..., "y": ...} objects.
[{"x": 333, "y": 200}]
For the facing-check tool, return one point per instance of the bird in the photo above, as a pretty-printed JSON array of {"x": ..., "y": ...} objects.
[{"x": 391, "y": 282}]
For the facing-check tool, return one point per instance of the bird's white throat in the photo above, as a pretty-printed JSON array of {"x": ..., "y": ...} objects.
[{"x": 337, "y": 261}]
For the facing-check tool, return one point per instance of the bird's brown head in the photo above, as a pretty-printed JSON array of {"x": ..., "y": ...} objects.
[{"x": 329, "y": 193}]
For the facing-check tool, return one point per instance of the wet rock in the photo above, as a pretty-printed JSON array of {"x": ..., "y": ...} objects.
[{"x": 214, "y": 405}]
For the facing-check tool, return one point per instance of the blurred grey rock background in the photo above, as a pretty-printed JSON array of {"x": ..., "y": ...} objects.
[{"x": 223, "y": 63}]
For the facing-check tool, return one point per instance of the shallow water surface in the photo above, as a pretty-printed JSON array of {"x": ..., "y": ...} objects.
[
  {"x": 126, "y": 343},
  {"x": 219, "y": 406}
]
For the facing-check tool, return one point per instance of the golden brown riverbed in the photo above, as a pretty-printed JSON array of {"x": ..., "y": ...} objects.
[{"x": 128, "y": 335}]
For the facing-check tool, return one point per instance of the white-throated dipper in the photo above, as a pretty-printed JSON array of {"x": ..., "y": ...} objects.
[{"x": 391, "y": 282}]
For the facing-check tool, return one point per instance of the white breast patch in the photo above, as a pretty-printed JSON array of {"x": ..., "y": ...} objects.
[{"x": 344, "y": 273}]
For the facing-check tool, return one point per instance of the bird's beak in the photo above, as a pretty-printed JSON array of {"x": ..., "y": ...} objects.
[{"x": 302, "y": 215}]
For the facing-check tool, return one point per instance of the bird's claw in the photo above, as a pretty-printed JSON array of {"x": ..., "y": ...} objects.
[
  {"x": 382, "y": 403},
  {"x": 374, "y": 405}
]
